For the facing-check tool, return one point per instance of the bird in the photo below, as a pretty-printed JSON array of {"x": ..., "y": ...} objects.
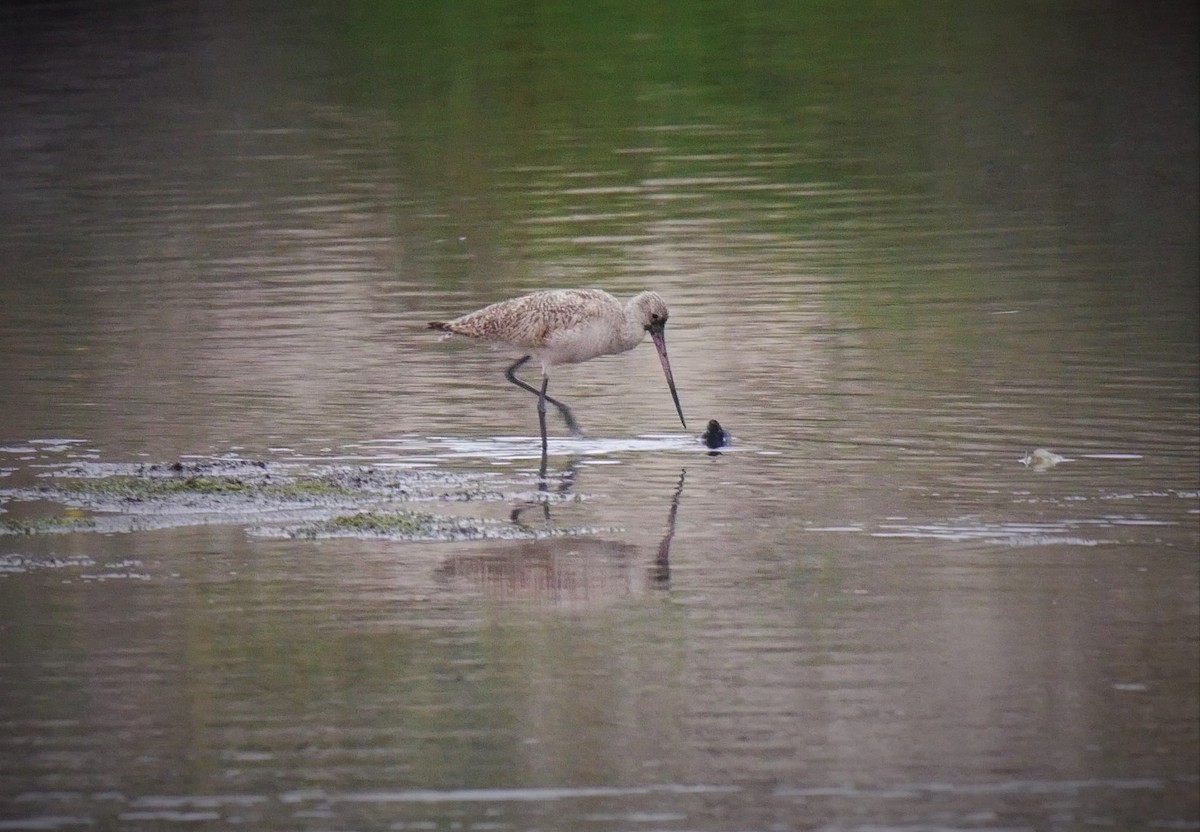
[
  {"x": 567, "y": 326},
  {"x": 715, "y": 436}
]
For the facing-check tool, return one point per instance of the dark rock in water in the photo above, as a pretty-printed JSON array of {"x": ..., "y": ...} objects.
[{"x": 716, "y": 436}]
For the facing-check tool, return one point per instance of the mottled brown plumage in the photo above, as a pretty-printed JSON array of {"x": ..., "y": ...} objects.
[{"x": 563, "y": 326}]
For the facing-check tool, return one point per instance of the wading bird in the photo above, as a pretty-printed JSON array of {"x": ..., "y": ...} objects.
[{"x": 567, "y": 326}]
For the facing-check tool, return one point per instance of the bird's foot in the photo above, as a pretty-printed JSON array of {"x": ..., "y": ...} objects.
[{"x": 572, "y": 425}]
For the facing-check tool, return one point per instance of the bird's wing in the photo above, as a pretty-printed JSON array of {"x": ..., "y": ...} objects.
[{"x": 531, "y": 320}]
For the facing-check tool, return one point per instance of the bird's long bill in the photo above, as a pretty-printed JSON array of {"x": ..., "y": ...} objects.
[{"x": 660, "y": 344}]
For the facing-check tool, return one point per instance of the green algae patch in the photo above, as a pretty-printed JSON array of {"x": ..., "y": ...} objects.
[
  {"x": 374, "y": 522},
  {"x": 129, "y": 488},
  {"x": 123, "y": 487},
  {"x": 413, "y": 526},
  {"x": 267, "y": 499},
  {"x": 399, "y": 525},
  {"x": 393, "y": 525},
  {"x": 46, "y": 525}
]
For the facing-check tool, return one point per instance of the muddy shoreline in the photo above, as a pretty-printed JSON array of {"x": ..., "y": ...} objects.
[{"x": 271, "y": 499}]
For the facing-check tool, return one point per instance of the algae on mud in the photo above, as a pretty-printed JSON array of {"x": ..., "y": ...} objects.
[
  {"x": 133, "y": 488},
  {"x": 269, "y": 499},
  {"x": 401, "y": 525},
  {"x": 46, "y": 525}
]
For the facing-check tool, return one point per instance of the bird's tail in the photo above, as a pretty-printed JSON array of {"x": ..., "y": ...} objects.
[{"x": 440, "y": 326}]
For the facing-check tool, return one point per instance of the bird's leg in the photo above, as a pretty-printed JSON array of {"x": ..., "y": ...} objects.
[
  {"x": 541, "y": 408},
  {"x": 510, "y": 374}
]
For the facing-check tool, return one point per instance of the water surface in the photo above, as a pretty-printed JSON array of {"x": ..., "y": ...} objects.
[{"x": 902, "y": 249}]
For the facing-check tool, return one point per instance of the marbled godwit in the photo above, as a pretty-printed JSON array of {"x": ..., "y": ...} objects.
[{"x": 567, "y": 326}]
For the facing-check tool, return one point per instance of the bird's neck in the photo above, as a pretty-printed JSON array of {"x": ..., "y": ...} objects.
[{"x": 632, "y": 330}]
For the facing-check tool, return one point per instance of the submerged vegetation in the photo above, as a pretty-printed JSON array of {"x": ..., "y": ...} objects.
[
  {"x": 403, "y": 525},
  {"x": 46, "y": 525},
  {"x": 269, "y": 499},
  {"x": 137, "y": 488}
]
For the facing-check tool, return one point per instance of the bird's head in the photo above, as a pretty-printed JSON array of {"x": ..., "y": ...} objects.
[{"x": 652, "y": 312}]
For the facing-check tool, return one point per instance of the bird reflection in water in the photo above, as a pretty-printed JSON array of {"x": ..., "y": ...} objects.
[
  {"x": 566, "y": 571},
  {"x": 562, "y": 490},
  {"x": 660, "y": 574}
]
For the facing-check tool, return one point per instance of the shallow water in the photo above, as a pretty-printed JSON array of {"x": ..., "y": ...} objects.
[{"x": 898, "y": 262}]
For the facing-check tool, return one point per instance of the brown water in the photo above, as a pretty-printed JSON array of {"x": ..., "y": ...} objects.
[{"x": 901, "y": 253}]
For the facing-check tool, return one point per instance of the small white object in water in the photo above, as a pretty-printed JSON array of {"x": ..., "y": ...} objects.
[{"x": 1041, "y": 459}]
